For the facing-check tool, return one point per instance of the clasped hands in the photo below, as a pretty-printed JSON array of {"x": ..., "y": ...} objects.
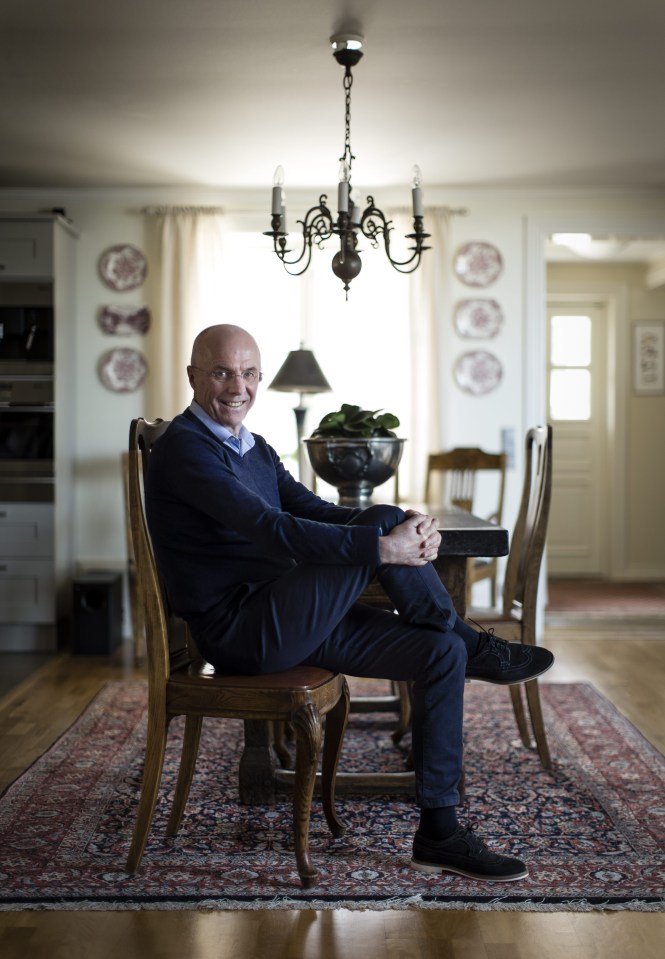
[{"x": 414, "y": 542}]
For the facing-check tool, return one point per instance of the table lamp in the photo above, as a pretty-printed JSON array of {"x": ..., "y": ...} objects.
[{"x": 300, "y": 373}]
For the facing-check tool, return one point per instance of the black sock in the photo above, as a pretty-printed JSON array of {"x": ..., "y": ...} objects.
[
  {"x": 439, "y": 823},
  {"x": 470, "y": 636}
]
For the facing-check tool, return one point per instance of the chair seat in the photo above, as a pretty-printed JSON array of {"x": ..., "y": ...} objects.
[
  {"x": 299, "y": 677},
  {"x": 271, "y": 696}
]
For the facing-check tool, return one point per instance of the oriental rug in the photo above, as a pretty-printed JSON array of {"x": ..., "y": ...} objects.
[{"x": 592, "y": 829}]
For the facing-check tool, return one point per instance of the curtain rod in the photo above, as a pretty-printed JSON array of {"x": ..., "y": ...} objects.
[{"x": 166, "y": 210}]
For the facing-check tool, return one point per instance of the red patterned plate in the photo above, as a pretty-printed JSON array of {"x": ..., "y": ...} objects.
[
  {"x": 478, "y": 372},
  {"x": 125, "y": 319},
  {"x": 122, "y": 370},
  {"x": 478, "y": 263},
  {"x": 478, "y": 319},
  {"x": 123, "y": 267}
]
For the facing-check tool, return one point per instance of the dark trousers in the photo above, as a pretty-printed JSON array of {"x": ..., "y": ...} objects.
[{"x": 312, "y": 615}]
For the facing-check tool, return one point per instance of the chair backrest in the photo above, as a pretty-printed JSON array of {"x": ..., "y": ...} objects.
[
  {"x": 459, "y": 468},
  {"x": 167, "y": 641},
  {"x": 520, "y": 587}
]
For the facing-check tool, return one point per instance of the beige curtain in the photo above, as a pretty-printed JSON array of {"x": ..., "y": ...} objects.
[
  {"x": 429, "y": 307},
  {"x": 184, "y": 247}
]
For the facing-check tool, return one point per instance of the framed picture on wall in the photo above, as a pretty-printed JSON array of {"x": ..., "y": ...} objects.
[{"x": 648, "y": 358}]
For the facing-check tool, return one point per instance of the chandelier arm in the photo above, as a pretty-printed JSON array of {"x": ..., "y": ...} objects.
[
  {"x": 317, "y": 227},
  {"x": 373, "y": 231}
]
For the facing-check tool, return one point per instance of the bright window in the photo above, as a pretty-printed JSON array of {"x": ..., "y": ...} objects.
[
  {"x": 362, "y": 345},
  {"x": 570, "y": 368}
]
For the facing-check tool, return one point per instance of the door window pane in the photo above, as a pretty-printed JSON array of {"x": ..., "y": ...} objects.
[
  {"x": 570, "y": 394},
  {"x": 571, "y": 341}
]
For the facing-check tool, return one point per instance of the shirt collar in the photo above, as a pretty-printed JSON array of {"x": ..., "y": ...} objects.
[{"x": 222, "y": 432}]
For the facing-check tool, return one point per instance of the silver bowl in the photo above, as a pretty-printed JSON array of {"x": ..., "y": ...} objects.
[{"x": 354, "y": 466}]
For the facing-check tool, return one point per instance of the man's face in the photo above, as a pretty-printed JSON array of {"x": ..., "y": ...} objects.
[{"x": 226, "y": 400}]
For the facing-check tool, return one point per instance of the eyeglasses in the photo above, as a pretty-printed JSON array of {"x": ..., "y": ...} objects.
[{"x": 226, "y": 376}]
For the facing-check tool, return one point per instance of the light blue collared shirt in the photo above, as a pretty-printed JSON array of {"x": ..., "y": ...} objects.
[{"x": 223, "y": 433}]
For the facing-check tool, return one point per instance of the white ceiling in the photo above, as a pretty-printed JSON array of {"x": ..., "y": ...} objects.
[{"x": 216, "y": 93}]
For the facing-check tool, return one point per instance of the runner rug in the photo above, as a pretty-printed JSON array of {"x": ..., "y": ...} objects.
[{"x": 592, "y": 830}]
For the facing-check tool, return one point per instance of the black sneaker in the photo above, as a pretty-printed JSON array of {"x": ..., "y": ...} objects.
[
  {"x": 466, "y": 854},
  {"x": 498, "y": 661}
]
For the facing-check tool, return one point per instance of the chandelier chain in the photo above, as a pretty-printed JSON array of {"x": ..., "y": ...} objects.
[{"x": 347, "y": 155}]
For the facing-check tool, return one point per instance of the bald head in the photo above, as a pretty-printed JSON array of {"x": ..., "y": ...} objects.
[
  {"x": 227, "y": 399},
  {"x": 223, "y": 336}
]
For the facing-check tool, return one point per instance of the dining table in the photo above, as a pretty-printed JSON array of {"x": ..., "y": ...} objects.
[{"x": 463, "y": 536}]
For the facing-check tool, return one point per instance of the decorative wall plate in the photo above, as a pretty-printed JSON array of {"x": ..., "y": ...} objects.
[
  {"x": 478, "y": 263},
  {"x": 478, "y": 372},
  {"x": 478, "y": 319},
  {"x": 125, "y": 319},
  {"x": 122, "y": 370},
  {"x": 123, "y": 267}
]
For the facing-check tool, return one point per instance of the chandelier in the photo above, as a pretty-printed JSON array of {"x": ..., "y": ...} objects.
[{"x": 319, "y": 224}]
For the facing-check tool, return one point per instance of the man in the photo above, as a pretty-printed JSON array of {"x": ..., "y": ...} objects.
[{"x": 268, "y": 575}]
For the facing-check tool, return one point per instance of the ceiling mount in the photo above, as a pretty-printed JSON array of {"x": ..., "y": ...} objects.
[{"x": 347, "y": 48}]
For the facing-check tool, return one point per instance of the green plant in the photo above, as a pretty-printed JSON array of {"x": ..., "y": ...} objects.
[{"x": 353, "y": 422}]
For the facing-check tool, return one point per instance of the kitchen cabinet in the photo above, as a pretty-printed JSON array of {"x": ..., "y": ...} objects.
[{"x": 37, "y": 285}]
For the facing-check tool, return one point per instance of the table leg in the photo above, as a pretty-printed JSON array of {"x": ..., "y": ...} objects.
[
  {"x": 256, "y": 775},
  {"x": 452, "y": 572}
]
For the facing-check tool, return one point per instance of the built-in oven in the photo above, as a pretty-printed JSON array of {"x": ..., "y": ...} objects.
[
  {"x": 26, "y": 441},
  {"x": 26, "y": 398},
  {"x": 26, "y": 339}
]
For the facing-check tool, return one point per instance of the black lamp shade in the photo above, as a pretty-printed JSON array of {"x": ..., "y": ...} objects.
[{"x": 300, "y": 373}]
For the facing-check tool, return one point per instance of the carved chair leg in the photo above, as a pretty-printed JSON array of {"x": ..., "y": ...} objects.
[
  {"x": 189, "y": 753},
  {"x": 520, "y": 717},
  {"x": 307, "y": 724},
  {"x": 536, "y": 713},
  {"x": 152, "y": 775},
  {"x": 336, "y": 720}
]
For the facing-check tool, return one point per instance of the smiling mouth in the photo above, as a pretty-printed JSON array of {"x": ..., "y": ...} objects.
[{"x": 234, "y": 405}]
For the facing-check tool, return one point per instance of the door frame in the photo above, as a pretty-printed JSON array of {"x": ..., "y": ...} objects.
[{"x": 536, "y": 231}]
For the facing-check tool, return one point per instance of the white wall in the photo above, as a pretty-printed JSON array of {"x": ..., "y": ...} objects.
[{"x": 515, "y": 222}]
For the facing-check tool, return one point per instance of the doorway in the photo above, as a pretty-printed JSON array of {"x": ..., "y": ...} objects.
[{"x": 577, "y": 381}]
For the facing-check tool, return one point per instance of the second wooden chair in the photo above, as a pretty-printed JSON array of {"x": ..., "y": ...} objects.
[{"x": 458, "y": 469}]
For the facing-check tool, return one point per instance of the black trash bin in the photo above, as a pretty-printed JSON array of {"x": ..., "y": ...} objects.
[{"x": 97, "y": 613}]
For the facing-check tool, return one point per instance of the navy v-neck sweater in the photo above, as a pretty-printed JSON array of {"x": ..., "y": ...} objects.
[{"x": 222, "y": 525}]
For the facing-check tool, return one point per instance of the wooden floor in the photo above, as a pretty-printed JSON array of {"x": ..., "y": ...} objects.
[{"x": 628, "y": 666}]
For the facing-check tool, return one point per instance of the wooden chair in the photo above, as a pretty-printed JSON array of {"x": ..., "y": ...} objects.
[
  {"x": 517, "y": 621},
  {"x": 182, "y": 684},
  {"x": 135, "y": 605},
  {"x": 459, "y": 469}
]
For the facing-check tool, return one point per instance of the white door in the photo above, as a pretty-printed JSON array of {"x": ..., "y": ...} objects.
[{"x": 577, "y": 382}]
